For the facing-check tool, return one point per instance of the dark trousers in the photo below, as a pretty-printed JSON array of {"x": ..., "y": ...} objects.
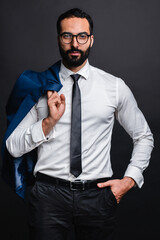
[{"x": 55, "y": 210}]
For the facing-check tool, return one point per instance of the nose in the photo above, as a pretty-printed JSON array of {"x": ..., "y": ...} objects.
[{"x": 74, "y": 42}]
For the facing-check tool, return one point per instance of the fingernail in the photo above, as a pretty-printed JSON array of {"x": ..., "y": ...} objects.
[{"x": 99, "y": 185}]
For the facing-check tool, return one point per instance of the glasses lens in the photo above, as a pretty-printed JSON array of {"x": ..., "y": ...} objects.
[
  {"x": 82, "y": 38},
  {"x": 66, "y": 38}
]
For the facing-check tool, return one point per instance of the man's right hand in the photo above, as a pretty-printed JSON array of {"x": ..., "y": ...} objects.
[{"x": 56, "y": 108}]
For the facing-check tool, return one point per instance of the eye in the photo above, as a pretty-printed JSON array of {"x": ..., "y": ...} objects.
[
  {"x": 67, "y": 36},
  {"x": 82, "y": 36}
]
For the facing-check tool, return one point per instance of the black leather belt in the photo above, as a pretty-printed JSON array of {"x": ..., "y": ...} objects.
[{"x": 80, "y": 185}]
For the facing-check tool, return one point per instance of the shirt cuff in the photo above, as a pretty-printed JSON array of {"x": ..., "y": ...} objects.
[
  {"x": 38, "y": 135},
  {"x": 136, "y": 174}
]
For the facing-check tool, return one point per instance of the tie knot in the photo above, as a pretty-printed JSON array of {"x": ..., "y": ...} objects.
[{"x": 75, "y": 77}]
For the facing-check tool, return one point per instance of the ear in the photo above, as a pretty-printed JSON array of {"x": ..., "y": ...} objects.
[{"x": 92, "y": 40}]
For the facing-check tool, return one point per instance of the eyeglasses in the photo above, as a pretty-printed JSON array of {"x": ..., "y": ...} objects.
[{"x": 81, "y": 38}]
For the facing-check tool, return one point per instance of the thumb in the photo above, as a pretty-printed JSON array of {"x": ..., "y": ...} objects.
[
  {"x": 62, "y": 99},
  {"x": 104, "y": 184}
]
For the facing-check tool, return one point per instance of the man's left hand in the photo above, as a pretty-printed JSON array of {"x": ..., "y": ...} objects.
[{"x": 119, "y": 187}]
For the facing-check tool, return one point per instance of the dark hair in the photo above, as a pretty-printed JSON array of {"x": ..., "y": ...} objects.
[{"x": 75, "y": 12}]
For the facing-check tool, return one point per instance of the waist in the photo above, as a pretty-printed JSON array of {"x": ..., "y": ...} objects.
[{"x": 77, "y": 185}]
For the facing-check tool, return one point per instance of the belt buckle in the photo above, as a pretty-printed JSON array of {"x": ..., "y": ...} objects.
[{"x": 79, "y": 183}]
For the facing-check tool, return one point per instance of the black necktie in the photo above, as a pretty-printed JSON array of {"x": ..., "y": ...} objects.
[{"x": 75, "y": 144}]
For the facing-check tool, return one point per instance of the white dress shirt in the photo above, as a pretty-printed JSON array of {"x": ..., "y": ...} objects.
[{"x": 103, "y": 97}]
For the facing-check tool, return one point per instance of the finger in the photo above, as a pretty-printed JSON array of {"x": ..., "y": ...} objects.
[
  {"x": 104, "y": 184},
  {"x": 49, "y": 94},
  {"x": 54, "y": 98}
]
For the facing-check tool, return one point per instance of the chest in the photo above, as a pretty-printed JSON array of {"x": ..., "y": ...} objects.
[{"x": 98, "y": 102}]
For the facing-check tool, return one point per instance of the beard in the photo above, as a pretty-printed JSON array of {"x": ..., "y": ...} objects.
[{"x": 74, "y": 61}]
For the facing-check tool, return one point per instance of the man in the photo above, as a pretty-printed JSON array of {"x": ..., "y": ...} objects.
[{"x": 72, "y": 130}]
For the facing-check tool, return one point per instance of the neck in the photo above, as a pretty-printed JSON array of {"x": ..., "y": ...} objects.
[{"x": 74, "y": 69}]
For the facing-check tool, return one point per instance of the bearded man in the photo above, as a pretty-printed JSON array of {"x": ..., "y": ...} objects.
[{"x": 71, "y": 129}]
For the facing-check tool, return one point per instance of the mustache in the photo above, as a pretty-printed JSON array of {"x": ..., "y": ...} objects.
[{"x": 73, "y": 49}]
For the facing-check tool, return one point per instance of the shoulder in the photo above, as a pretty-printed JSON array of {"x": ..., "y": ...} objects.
[
  {"x": 31, "y": 76},
  {"x": 30, "y": 79},
  {"x": 105, "y": 76}
]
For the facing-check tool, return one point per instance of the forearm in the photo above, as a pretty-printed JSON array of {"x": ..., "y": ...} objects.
[
  {"x": 47, "y": 125},
  {"x": 22, "y": 141},
  {"x": 140, "y": 159}
]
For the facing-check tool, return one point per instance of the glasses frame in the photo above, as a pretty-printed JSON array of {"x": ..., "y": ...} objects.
[{"x": 73, "y": 35}]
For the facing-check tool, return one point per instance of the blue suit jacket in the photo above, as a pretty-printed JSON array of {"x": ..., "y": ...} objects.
[{"x": 29, "y": 87}]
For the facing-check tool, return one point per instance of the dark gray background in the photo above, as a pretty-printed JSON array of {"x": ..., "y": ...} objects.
[{"x": 127, "y": 44}]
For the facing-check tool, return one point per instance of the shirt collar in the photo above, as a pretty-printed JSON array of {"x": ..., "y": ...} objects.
[{"x": 65, "y": 72}]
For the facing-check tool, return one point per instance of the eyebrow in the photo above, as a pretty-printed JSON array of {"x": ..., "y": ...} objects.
[{"x": 73, "y": 34}]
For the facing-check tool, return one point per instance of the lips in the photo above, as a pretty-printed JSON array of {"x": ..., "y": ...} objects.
[{"x": 75, "y": 53}]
